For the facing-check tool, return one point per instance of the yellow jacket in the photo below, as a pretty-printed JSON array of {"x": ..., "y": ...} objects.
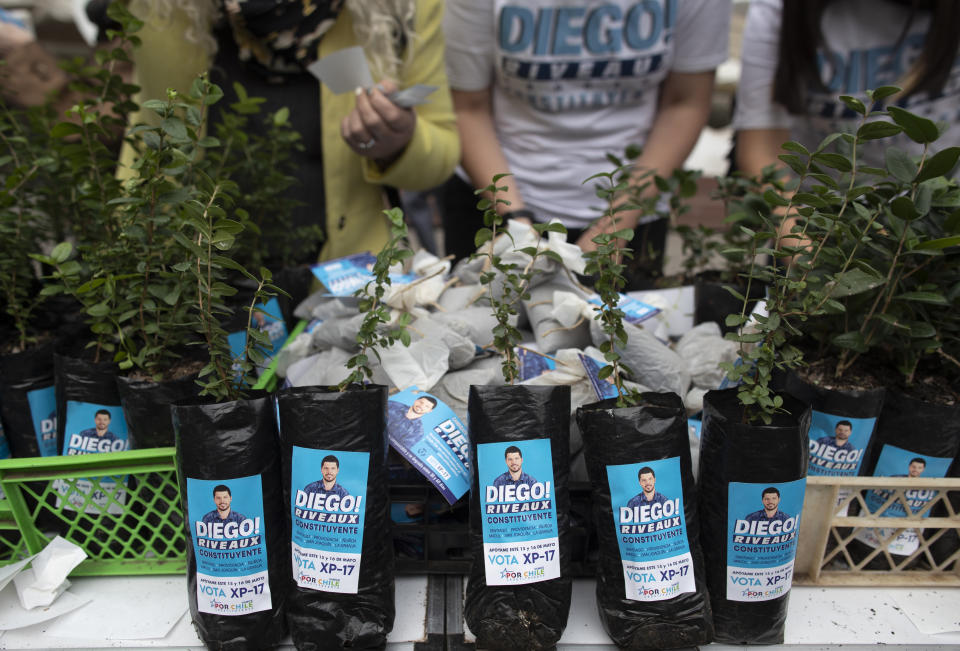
[{"x": 352, "y": 184}]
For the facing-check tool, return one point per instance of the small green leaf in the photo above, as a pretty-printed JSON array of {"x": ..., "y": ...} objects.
[
  {"x": 878, "y": 129},
  {"x": 900, "y": 165},
  {"x": 903, "y": 208},
  {"x": 940, "y": 164},
  {"x": 918, "y": 129},
  {"x": 854, "y": 104},
  {"x": 61, "y": 252},
  {"x": 923, "y": 297}
]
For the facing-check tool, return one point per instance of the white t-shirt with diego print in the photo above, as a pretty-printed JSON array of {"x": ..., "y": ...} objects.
[
  {"x": 865, "y": 49},
  {"x": 573, "y": 81}
]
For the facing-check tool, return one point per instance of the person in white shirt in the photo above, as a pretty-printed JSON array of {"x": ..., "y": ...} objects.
[{"x": 546, "y": 89}]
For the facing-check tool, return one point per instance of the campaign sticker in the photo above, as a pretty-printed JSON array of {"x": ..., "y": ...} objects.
[
  {"x": 694, "y": 427},
  {"x": 344, "y": 276},
  {"x": 269, "y": 321},
  {"x": 898, "y": 462},
  {"x": 837, "y": 446},
  {"x": 426, "y": 432},
  {"x": 93, "y": 429},
  {"x": 519, "y": 516},
  {"x": 603, "y": 388},
  {"x": 43, "y": 413},
  {"x": 329, "y": 489},
  {"x": 533, "y": 364},
  {"x": 634, "y": 310},
  {"x": 647, "y": 503},
  {"x": 762, "y": 542},
  {"x": 229, "y": 544}
]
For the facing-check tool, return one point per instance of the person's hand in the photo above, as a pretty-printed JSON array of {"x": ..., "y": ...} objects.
[{"x": 377, "y": 128}]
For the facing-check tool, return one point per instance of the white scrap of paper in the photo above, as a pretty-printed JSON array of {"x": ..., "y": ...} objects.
[
  {"x": 13, "y": 615},
  {"x": 343, "y": 71},
  {"x": 931, "y": 611}
]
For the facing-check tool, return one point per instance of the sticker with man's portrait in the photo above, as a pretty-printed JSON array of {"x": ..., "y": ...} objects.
[
  {"x": 328, "y": 490},
  {"x": 229, "y": 543},
  {"x": 521, "y": 543},
  {"x": 427, "y": 433},
  {"x": 899, "y": 462},
  {"x": 763, "y": 521},
  {"x": 647, "y": 503},
  {"x": 93, "y": 429}
]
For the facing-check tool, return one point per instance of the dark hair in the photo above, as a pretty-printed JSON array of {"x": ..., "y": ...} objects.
[
  {"x": 645, "y": 470},
  {"x": 430, "y": 399},
  {"x": 220, "y": 488},
  {"x": 104, "y": 412},
  {"x": 511, "y": 449},
  {"x": 770, "y": 489},
  {"x": 918, "y": 460},
  {"x": 801, "y": 36},
  {"x": 330, "y": 459},
  {"x": 843, "y": 422}
]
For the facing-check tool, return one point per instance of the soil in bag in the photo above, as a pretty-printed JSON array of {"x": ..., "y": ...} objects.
[
  {"x": 238, "y": 559},
  {"x": 752, "y": 481},
  {"x": 518, "y": 591},
  {"x": 333, "y": 446},
  {"x": 28, "y": 405},
  {"x": 914, "y": 439},
  {"x": 651, "y": 590}
]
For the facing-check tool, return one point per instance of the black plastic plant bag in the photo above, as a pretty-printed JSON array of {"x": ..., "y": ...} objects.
[
  {"x": 640, "y": 456},
  {"x": 909, "y": 431},
  {"x": 28, "y": 402},
  {"x": 746, "y": 461},
  {"x": 90, "y": 421},
  {"x": 518, "y": 591},
  {"x": 238, "y": 559},
  {"x": 146, "y": 407},
  {"x": 337, "y": 506}
]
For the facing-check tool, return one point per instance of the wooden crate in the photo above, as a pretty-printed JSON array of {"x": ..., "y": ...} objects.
[{"x": 823, "y": 557}]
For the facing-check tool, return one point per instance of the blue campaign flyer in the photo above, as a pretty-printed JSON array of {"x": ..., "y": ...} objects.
[
  {"x": 763, "y": 521},
  {"x": 898, "y": 462},
  {"x": 837, "y": 444},
  {"x": 634, "y": 311},
  {"x": 270, "y": 320},
  {"x": 647, "y": 503},
  {"x": 94, "y": 429},
  {"x": 518, "y": 512},
  {"x": 329, "y": 489},
  {"x": 427, "y": 433},
  {"x": 229, "y": 543},
  {"x": 43, "y": 413},
  {"x": 344, "y": 276},
  {"x": 533, "y": 364},
  {"x": 603, "y": 388}
]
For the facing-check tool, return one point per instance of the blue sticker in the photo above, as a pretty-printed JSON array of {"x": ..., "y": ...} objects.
[
  {"x": 763, "y": 521},
  {"x": 647, "y": 503},
  {"x": 329, "y": 489},
  {"x": 4, "y": 446},
  {"x": 344, "y": 276},
  {"x": 43, "y": 413},
  {"x": 694, "y": 426},
  {"x": 837, "y": 444},
  {"x": 427, "y": 433},
  {"x": 93, "y": 429},
  {"x": 229, "y": 543},
  {"x": 518, "y": 511},
  {"x": 603, "y": 388},
  {"x": 634, "y": 310},
  {"x": 898, "y": 462},
  {"x": 533, "y": 364}
]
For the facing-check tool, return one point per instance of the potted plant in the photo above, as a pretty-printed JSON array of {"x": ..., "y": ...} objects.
[
  {"x": 334, "y": 469},
  {"x": 519, "y": 443},
  {"x": 227, "y": 452},
  {"x": 640, "y": 437}
]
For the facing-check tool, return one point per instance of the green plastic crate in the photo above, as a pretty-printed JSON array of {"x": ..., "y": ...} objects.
[{"x": 133, "y": 526}]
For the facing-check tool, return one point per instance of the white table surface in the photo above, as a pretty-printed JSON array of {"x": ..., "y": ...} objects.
[
  {"x": 160, "y": 603},
  {"x": 817, "y": 618}
]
